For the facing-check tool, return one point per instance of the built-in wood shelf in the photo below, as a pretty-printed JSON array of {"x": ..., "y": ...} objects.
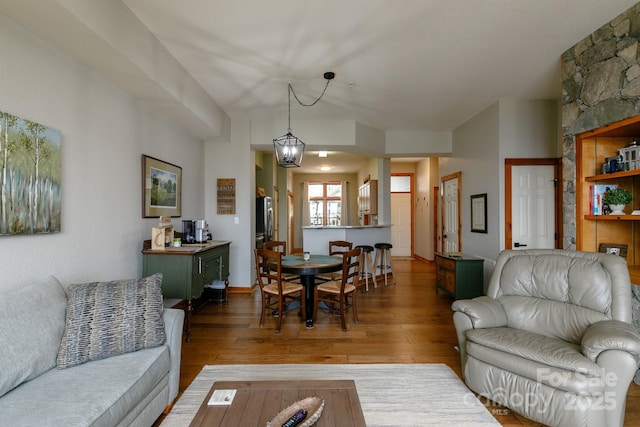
[
  {"x": 593, "y": 232},
  {"x": 613, "y": 217},
  {"x": 614, "y": 175}
]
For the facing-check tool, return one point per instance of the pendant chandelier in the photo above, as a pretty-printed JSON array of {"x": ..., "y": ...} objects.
[{"x": 288, "y": 148}]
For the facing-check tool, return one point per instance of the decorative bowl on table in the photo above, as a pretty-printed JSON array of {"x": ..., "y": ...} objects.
[{"x": 312, "y": 405}]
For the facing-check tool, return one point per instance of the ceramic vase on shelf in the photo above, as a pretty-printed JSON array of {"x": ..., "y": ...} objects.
[{"x": 616, "y": 209}]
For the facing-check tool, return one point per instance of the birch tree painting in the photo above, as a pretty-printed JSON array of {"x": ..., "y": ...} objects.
[{"x": 30, "y": 171}]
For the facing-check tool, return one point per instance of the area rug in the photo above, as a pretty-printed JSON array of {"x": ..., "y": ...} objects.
[{"x": 390, "y": 394}]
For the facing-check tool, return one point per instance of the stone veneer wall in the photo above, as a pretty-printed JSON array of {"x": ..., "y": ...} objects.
[{"x": 600, "y": 85}]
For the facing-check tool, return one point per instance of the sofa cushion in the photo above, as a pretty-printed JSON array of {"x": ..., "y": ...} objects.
[
  {"x": 535, "y": 347},
  {"x": 557, "y": 296},
  {"x": 543, "y": 359},
  {"x": 106, "y": 319},
  {"x": 31, "y": 325},
  {"x": 99, "y": 393}
]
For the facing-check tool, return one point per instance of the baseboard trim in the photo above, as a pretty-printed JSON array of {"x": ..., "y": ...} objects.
[
  {"x": 421, "y": 259},
  {"x": 241, "y": 289}
]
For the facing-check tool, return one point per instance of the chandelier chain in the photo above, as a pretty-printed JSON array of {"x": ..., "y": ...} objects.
[{"x": 302, "y": 103}]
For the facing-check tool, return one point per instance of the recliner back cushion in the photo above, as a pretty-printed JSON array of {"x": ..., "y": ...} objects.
[
  {"x": 554, "y": 295},
  {"x": 31, "y": 326}
]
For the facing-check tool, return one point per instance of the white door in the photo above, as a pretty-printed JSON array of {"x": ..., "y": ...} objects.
[
  {"x": 533, "y": 207},
  {"x": 451, "y": 216},
  {"x": 401, "y": 224}
]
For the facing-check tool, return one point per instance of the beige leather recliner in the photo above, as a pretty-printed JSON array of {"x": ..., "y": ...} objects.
[{"x": 552, "y": 339}]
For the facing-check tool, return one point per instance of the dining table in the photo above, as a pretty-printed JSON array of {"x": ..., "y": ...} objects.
[{"x": 307, "y": 270}]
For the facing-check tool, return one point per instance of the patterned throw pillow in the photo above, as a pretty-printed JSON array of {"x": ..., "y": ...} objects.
[{"x": 106, "y": 319}]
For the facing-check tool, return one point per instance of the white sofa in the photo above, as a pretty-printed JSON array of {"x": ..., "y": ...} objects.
[{"x": 130, "y": 389}]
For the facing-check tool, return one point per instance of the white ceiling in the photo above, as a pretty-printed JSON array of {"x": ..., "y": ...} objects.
[{"x": 399, "y": 64}]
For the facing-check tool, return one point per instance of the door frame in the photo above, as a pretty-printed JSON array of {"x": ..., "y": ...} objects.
[
  {"x": 436, "y": 207},
  {"x": 458, "y": 176},
  {"x": 508, "y": 186}
]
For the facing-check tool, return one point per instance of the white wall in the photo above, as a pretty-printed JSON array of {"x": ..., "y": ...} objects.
[
  {"x": 476, "y": 154},
  {"x": 425, "y": 180},
  {"x": 418, "y": 142},
  {"x": 233, "y": 159},
  {"x": 529, "y": 129},
  {"x": 338, "y": 134},
  {"x": 104, "y": 132},
  {"x": 507, "y": 129}
]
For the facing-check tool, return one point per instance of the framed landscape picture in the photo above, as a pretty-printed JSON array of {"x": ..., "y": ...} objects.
[{"x": 161, "y": 188}]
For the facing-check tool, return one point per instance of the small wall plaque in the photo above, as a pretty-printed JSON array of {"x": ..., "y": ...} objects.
[{"x": 226, "y": 196}]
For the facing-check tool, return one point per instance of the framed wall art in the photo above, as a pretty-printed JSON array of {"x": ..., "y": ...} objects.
[
  {"x": 226, "y": 196},
  {"x": 161, "y": 188},
  {"x": 31, "y": 159},
  {"x": 614, "y": 249},
  {"x": 479, "y": 213}
]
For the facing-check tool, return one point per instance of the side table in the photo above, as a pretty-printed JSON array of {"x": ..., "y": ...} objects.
[
  {"x": 186, "y": 270},
  {"x": 459, "y": 275}
]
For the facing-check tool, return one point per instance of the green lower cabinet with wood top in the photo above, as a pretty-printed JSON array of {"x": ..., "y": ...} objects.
[
  {"x": 186, "y": 270},
  {"x": 460, "y": 276}
]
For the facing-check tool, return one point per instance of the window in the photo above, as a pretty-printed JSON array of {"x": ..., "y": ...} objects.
[
  {"x": 400, "y": 183},
  {"x": 325, "y": 199}
]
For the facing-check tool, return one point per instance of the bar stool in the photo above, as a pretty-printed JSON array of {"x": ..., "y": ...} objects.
[
  {"x": 383, "y": 260},
  {"x": 366, "y": 266}
]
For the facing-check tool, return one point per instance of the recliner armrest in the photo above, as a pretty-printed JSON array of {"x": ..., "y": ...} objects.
[
  {"x": 610, "y": 335},
  {"x": 483, "y": 312}
]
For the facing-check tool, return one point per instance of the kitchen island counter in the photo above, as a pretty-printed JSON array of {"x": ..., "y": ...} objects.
[
  {"x": 333, "y": 227},
  {"x": 316, "y": 238}
]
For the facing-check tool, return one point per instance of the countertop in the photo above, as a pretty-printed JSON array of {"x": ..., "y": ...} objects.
[
  {"x": 338, "y": 227},
  {"x": 186, "y": 249}
]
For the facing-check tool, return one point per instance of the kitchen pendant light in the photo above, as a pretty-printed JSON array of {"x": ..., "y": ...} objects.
[{"x": 288, "y": 148}]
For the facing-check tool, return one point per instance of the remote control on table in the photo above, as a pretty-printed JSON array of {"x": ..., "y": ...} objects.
[{"x": 295, "y": 419}]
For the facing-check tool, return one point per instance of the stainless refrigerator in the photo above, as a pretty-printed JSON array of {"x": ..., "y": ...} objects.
[{"x": 264, "y": 220}]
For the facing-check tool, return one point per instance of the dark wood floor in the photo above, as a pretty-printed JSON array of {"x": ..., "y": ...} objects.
[{"x": 403, "y": 323}]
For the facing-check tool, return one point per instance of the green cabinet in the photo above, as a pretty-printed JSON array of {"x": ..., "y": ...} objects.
[
  {"x": 460, "y": 276},
  {"x": 187, "y": 269}
]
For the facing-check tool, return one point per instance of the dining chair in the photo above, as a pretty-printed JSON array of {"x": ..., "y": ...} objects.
[
  {"x": 336, "y": 247},
  {"x": 276, "y": 245},
  {"x": 341, "y": 294},
  {"x": 277, "y": 293},
  {"x": 281, "y": 246}
]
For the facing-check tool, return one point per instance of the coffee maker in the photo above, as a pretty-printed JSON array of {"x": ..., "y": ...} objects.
[
  {"x": 188, "y": 231},
  {"x": 195, "y": 231},
  {"x": 202, "y": 230}
]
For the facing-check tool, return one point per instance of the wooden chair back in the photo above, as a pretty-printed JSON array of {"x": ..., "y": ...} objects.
[
  {"x": 269, "y": 270},
  {"x": 339, "y": 246},
  {"x": 276, "y": 245},
  {"x": 269, "y": 267},
  {"x": 351, "y": 268}
]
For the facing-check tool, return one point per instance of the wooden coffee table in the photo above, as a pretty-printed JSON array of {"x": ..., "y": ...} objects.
[{"x": 257, "y": 402}]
